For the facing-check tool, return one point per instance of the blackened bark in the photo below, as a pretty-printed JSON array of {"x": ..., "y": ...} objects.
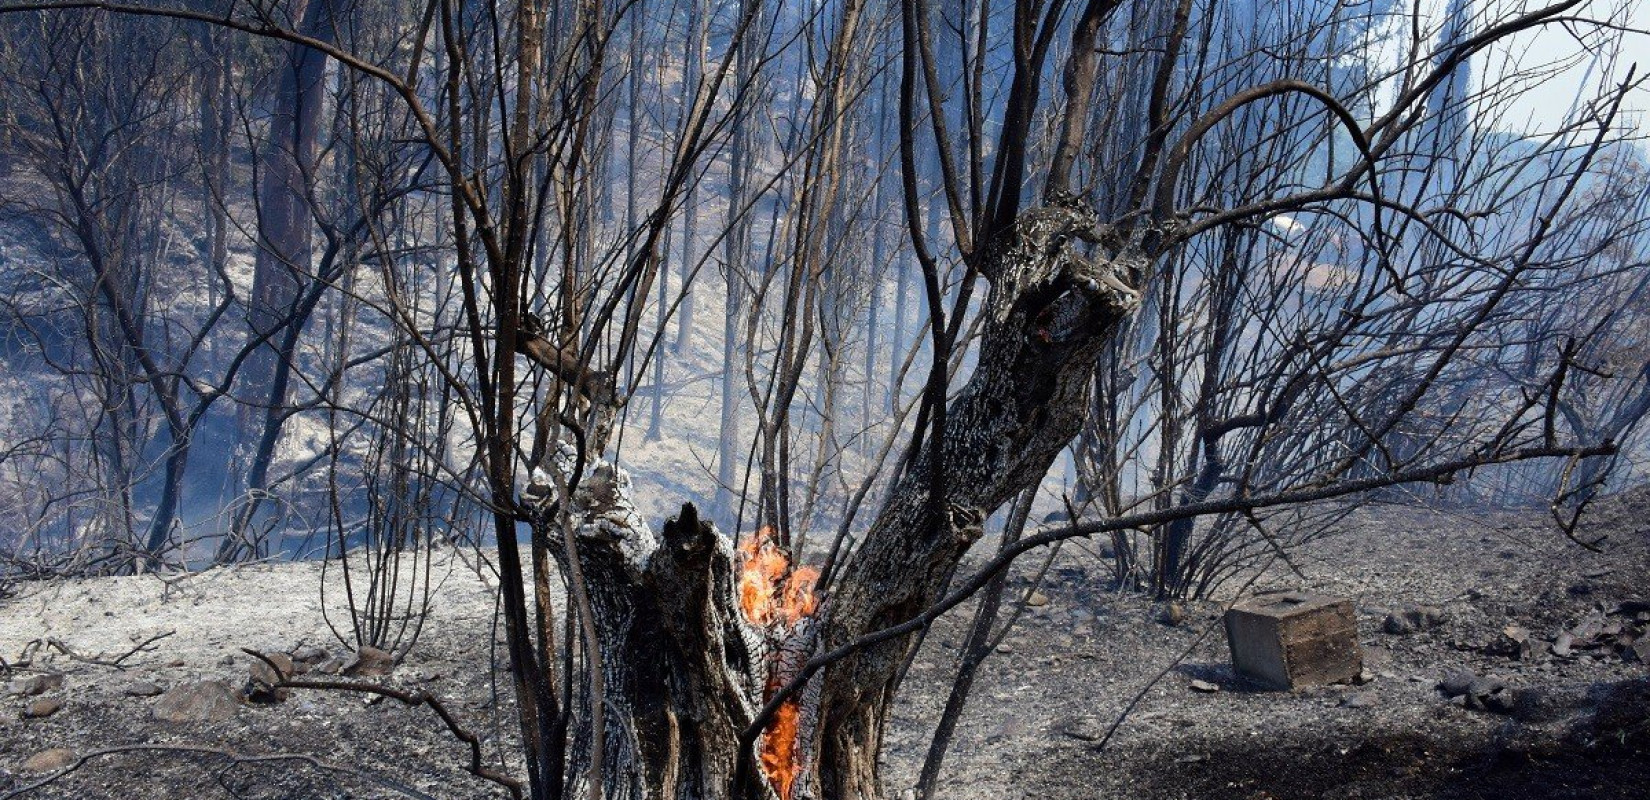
[
  {"x": 682, "y": 670},
  {"x": 1051, "y": 309}
]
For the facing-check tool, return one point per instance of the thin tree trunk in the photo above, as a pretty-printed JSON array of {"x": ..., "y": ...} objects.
[
  {"x": 690, "y": 221},
  {"x": 735, "y": 255}
]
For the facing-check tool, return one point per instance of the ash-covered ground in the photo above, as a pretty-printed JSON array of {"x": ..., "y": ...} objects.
[{"x": 1560, "y": 707}]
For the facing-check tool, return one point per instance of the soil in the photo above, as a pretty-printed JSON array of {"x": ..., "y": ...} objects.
[{"x": 1580, "y": 728}]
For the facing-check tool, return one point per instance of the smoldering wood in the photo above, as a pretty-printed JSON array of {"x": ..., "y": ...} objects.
[{"x": 683, "y": 671}]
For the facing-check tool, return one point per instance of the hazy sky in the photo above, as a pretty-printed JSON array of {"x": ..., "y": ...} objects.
[{"x": 1576, "y": 66}]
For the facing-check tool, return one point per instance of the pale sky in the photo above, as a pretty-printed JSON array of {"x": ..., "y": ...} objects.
[
  {"x": 1552, "y": 63},
  {"x": 1545, "y": 104}
]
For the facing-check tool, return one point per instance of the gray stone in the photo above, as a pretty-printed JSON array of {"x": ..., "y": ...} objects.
[
  {"x": 370, "y": 662},
  {"x": 1414, "y": 619},
  {"x": 38, "y": 685},
  {"x": 1457, "y": 683},
  {"x": 50, "y": 760},
  {"x": 42, "y": 708},
  {"x": 1204, "y": 687},
  {"x": 142, "y": 689},
  {"x": 206, "y": 701}
]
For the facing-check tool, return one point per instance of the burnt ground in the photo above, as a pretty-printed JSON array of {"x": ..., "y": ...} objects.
[{"x": 1579, "y": 728}]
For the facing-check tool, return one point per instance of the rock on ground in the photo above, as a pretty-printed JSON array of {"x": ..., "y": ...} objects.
[{"x": 204, "y": 701}]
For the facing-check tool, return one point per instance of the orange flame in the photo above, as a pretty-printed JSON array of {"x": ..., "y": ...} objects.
[
  {"x": 779, "y": 756},
  {"x": 771, "y": 592}
]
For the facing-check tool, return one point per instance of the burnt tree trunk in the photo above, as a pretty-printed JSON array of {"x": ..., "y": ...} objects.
[
  {"x": 684, "y": 673},
  {"x": 1050, "y": 311}
]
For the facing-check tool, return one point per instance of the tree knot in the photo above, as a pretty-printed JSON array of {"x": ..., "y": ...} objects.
[
  {"x": 967, "y": 524},
  {"x": 1044, "y": 266}
]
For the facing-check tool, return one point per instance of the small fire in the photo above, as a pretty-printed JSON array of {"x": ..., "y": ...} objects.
[
  {"x": 770, "y": 590},
  {"x": 776, "y": 597},
  {"x": 779, "y": 757}
]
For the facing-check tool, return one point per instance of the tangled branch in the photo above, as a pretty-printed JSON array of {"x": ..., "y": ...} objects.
[{"x": 416, "y": 698}]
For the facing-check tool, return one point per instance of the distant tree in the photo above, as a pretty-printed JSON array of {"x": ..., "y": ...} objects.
[
  {"x": 283, "y": 265},
  {"x": 98, "y": 137}
]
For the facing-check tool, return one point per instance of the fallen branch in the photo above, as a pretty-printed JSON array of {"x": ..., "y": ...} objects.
[
  {"x": 26, "y": 659},
  {"x": 415, "y": 698}
]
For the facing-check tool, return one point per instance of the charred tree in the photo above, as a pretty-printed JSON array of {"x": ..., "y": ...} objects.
[
  {"x": 281, "y": 268},
  {"x": 1051, "y": 308}
]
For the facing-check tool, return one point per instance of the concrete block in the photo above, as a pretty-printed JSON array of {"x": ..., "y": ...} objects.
[{"x": 1292, "y": 639}]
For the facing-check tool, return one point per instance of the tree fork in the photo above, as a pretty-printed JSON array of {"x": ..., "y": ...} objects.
[
  {"x": 1050, "y": 310},
  {"x": 683, "y": 672}
]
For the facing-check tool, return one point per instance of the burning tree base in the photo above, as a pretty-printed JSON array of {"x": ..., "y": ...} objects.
[
  {"x": 779, "y": 598},
  {"x": 692, "y": 639}
]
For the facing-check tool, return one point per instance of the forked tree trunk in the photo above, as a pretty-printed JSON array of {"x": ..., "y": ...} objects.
[
  {"x": 682, "y": 670},
  {"x": 1050, "y": 311},
  {"x": 685, "y": 673}
]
